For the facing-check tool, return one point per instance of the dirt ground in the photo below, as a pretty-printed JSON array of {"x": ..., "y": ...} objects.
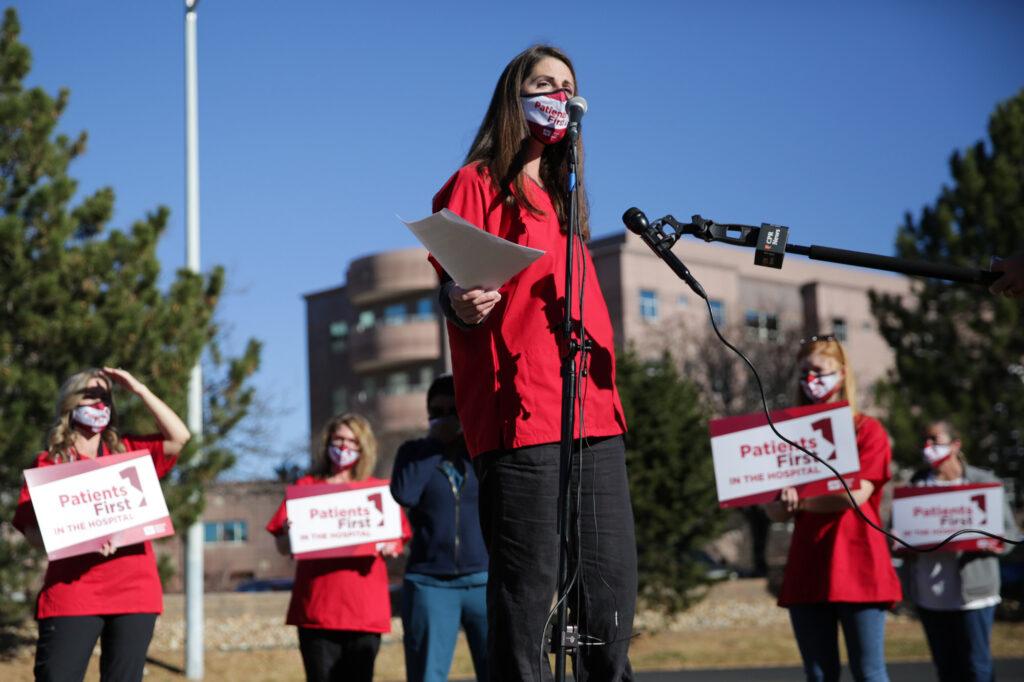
[{"x": 738, "y": 625}]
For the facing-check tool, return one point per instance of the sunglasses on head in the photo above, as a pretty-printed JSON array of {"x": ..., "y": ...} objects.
[{"x": 818, "y": 337}]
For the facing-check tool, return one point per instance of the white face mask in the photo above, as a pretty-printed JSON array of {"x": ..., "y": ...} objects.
[
  {"x": 342, "y": 458},
  {"x": 820, "y": 387},
  {"x": 93, "y": 417},
  {"x": 546, "y": 115},
  {"x": 935, "y": 453}
]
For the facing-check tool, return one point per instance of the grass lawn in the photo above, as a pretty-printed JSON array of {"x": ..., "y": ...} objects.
[{"x": 738, "y": 625}]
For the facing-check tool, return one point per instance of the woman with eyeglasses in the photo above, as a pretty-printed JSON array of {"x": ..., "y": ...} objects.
[
  {"x": 955, "y": 593},
  {"x": 113, "y": 595},
  {"x": 839, "y": 572},
  {"x": 340, "y": 606}
]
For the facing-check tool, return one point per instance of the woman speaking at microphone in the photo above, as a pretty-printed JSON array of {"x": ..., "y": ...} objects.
[
  {"x": 506, "y": 349},
  {"x": 839, "y": 571},
  {"x": 113, "y": 595},
  {"x": 340, "y": 606}
]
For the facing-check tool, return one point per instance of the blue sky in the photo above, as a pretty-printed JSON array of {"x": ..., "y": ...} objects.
[{"x": 320, "y": 121}]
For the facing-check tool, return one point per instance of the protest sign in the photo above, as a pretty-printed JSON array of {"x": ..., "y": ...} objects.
[
  {"x": 925, "y": 515},
  {"x": 752, "y": 464},
  {"x": 341, "y": 519},
  {"x": 84, "y": 504}
]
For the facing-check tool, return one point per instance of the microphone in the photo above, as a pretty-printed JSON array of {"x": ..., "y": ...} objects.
[
  {"x": 577, "y": 106},
  {"x": 636, "y": 222}
]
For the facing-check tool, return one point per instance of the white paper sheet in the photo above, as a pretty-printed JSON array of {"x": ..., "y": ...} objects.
[{"x": 473, "y": 257}]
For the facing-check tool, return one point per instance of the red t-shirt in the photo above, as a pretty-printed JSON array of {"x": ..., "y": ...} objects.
[
  {"x": 92, "y": 584},
  {"x": 349, "y": 593},
  {"x": 508, "y": 382},
  {"x": 837, "y": 557}
]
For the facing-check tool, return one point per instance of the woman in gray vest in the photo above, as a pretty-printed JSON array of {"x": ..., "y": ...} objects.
[{"x": 955, "y": 592}]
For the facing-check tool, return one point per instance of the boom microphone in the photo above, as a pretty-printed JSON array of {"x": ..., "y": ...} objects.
[{"x": 636, "y": 222}]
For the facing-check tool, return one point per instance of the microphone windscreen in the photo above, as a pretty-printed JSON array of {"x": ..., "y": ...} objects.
[
  {"x": 578, "y": 101},
  {"x": 578, "y": 105},
  {"x": 635, "y": 220}
]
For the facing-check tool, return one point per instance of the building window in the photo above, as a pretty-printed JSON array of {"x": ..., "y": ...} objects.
[
  {"x": 426, "y": 377},
  {"x": 839, "y": 328},
  {"x": 226, "y": 531},
  {"x": 398, "y": 383},
  {"x": 649, "y": 305},
  {"x": 369, "y": 391},
  {"x": 395, "y": 314},
  {"x": 717, "y": 311},
  {"x": 762, "y": 326},
  {"x": 367, "y": 318},
  {"x": 339, "y": 400},
  {"x": 423, "y": 309},
  {"x": 339, "y": 336}
]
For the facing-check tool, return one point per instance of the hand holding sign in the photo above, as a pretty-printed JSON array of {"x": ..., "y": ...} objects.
[
  {"x": 390, "y": 549},
  {"x": 790, "y": 500}
]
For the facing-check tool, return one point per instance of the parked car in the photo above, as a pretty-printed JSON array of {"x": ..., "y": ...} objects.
[{"x": 265, "y": 585}]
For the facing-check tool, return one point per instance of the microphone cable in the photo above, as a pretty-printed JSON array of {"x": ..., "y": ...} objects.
[{"x": 576, "y": 580}]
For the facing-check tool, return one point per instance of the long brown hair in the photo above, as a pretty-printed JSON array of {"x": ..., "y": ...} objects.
[
  {"x": 363, "y": 469},
  {"x": 60, "y": 440},
  {"x": 498, "y": 146},
  {"x": 830, "y": 347}
]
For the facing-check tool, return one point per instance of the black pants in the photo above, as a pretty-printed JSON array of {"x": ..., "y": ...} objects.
[
  {"x": 334, "y": 655},
  {"x": 518, "y": 512},
  {"x": 66, "y": 643}
]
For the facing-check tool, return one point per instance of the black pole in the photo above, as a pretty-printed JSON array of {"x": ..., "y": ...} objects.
[
  {"x": 657, "y": 238},
  {"x": 903, "y": 266},
  {"x": 563, "y": 639}
]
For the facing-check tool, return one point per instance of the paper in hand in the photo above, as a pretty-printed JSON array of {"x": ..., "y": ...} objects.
[{"x": 473, "y": 257}]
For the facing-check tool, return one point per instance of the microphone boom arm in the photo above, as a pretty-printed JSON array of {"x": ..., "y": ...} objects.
[{"x": 670, "y": 230}]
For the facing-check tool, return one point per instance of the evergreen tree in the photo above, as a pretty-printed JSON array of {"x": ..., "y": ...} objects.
[
  {"x": 77, "y": 294},
  {"x": 668, "y": 452},
  {"x": 959, "y": 350}
]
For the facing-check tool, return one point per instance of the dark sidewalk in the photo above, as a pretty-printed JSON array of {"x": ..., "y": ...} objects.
[{"x": 1007, "y": 670}]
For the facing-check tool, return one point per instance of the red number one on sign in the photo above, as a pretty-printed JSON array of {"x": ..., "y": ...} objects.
[
  {"x": 378, "y": 502},
  {"x": 824, "y": 426}
]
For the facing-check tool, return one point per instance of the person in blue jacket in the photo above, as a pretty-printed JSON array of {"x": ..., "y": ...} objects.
[{"x": 446, "y": 574}]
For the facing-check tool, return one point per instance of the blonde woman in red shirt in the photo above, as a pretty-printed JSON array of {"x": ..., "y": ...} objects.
[
  {"x": 341, "y": 606},
  {"x": 113, "y": 595},
  {"x": 506, "y": 349},
  {"x": 839, "y": 572}
]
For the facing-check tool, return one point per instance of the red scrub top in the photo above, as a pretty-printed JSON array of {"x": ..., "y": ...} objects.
[
  {"x": 837, "y": 557},
  {"x": 92, "y": 584},
  {"x": 349, "y": 593},
  {"x": 507, "y": 370}
]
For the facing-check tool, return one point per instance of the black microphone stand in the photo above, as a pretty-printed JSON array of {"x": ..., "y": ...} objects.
[
  {"x": 565, "y": 637},
  {"x": 661, "y": 234}
]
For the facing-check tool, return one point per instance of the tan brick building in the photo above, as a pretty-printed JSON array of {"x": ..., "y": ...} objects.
[
  {"x": 236, "y": 546},
  {"x": 377, "y": 341}
]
